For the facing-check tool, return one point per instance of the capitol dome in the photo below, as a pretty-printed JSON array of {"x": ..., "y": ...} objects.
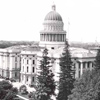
[
  {"x": 53, "y": 34},
  {"x": 53, "y": 15}
]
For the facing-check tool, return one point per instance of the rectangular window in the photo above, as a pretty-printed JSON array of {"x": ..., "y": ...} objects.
[
  {"x": 33, "y": 61},
  {"x": 27, "y": 68},
  {"x": 15, "y": 74},
  {"x": 15, "y": 65},
  {"x": 27, "y": 61},
  {"x": 15, "y": 59},
  {"x": 33, "y": 69},
  {"x": 33, "y": 79},
  {"x": 20, "y": 58},
  {"x": 27, "y": 78}
]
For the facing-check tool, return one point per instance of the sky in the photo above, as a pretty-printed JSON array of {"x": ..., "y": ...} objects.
[{"x": 23, "y": 19}]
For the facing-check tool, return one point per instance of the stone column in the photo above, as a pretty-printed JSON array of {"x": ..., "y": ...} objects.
[
  {"x": 30, "y": 79},
  {"x": 85, "y": 65},
  {"x": 52, "y": 37},
  {"x": 62, "y": 37},
  {"x": 81, "y": 68},
  {"x": 77, "y": 71},
  {"x": 10, "y": 75},
  {"x": 49, "y": 37},
  {"x": 58, "y": 37},
  {"x": 30, "y": 67},
  {"x": 45, "y": 37},
  {"x": 55, "y": 37},
  {"x": 90, "y": 65},
  {"x": 41, "y": 37},
  {"x": 24, "y": 79}
]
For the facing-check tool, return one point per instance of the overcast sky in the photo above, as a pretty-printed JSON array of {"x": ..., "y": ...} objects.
[{"x": 23, "y": 19}]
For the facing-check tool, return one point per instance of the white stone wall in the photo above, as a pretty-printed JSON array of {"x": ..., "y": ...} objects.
[{"x": 27, "y": 68}]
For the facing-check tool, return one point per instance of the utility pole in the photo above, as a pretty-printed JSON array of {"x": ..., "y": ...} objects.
[{"x": 68, "y": 28}]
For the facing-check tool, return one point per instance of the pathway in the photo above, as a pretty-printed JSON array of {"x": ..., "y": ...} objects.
[{"x": 22, "y": 97}]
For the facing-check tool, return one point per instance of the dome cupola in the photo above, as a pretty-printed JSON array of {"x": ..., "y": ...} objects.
[{"x": 53, "y": 15}]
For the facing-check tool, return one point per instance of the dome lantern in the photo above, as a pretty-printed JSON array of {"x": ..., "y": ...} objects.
[
  {"x": 53, "y": 15},
  {"x": 54, "y": 7}
]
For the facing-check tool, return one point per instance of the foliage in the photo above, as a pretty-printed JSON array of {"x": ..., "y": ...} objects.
[
  {"x": 32, "y": 96},
  {"x": 7, "y": 92},
  {"x": 2, "y": 93},
  {"x": 84, "y": 45},
  {"x": 87, "y": 87},
  {"x": 5, "y": 85},
  {"x": 14, "y": 90},
  {"x": 23, "y": 89},
  {"x": 10, "y": 95},
  {"x": 46, "y": 84},
  {"x": 12, "y": 80},
  {"x": 5, "y": 44},
  {"x": 97, "y": 60},
  {"x": 66, "y": 74}
]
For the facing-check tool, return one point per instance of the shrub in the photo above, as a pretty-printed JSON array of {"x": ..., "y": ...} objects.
[
  {"x": 12, "y": 80},
  {"x": 14, "y": 90},
  {"x": 5, "y": 85},
  {"x": 23, "y": 89}
]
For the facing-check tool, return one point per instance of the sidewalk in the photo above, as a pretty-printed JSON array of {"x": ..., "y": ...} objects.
[{"x": 22, "y": 97}]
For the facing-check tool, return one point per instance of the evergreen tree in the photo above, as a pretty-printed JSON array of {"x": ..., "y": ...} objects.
[
  {"x": 46, "y": 84},
  {"x": 97, "y": 61},
  {"x": 66, "y": 74}
]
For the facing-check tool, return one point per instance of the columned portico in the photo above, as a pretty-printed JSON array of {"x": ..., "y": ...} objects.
[{"x": 81, "y": 67}]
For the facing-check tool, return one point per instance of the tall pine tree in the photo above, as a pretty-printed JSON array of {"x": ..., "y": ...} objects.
[
  {"x": 66, "y": 77},
  {"x": 97, "y": 60},
  {"x": 46, "y": 83}
]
